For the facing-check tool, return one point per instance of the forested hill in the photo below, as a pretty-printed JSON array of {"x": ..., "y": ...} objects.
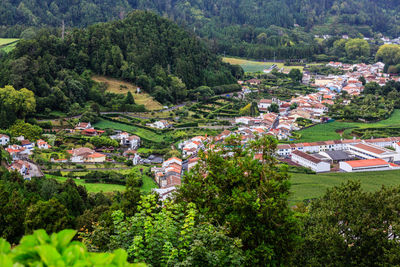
[
  {"x": 250, "y": 28},
  {"x": 381, "y": 15},
  {"x": 145, "y": 49}
]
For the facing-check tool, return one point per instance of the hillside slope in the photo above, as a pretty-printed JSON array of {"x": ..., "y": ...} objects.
[{"x": 145, "y": 49}]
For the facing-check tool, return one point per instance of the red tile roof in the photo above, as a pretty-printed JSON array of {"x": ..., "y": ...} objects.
[{"x": 366, "y": 163}]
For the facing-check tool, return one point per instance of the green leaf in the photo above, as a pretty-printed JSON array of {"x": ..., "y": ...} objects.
[
  {"x": 64, "y": 237},
  {"x": 41, "y": 236},
  {"x": 4, "y": 246},
  {"x": 120, "y": 257},
  {"x": 5, "y": 261},
  {"x": 101, "y": 259},
  {"x": 48, "y": 254}
]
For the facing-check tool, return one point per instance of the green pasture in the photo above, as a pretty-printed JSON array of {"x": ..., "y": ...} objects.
[
  {"x": 309, "y": 186},
  {"x": 256, "y": 66},
  {"x": 93, "y": 188},
  {"x": 332, "y": 130},
  {"x": 105, "y": 124}
]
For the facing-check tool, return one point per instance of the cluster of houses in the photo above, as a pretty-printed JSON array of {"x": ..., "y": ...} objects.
[
  {"x": 169, "y": 174},
  {"x": 19, "y": 154},
  {"x": 349, "y": 155},
  {"x": 312, "y": 107},
  {"x": 349, "y": 81}
]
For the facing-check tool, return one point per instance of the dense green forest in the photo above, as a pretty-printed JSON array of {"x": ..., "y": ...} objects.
[
  {"x": 145, "y": 49},
  {"x": 251, "y": 28}
]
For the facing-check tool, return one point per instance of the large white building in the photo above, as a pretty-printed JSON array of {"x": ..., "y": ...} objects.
[
  {"x": 309, "y": 161},
  {"x": 367, "y": 165},
  {"x": 369, "y": 151}
]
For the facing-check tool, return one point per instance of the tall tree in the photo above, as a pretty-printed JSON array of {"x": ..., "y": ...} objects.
[
  {"x": 351, "y": 227},
  {"x": 231, "y": 188}
]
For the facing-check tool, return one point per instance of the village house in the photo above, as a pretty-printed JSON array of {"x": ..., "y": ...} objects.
[
  {"x": 163, "y": 124},
  {"x": 18, "y": 152},
  {"x": 83, "y": 126},
  {"x": 92, "y": 132},
  {"x": 27, "y": 144},
  {"x": 20, "y": 166},
  {"x": 84, "y": 154},
  {"x": 41, "y": 144},
  {"x": 4, "y": 139},
  {"x": 132, "y": 141},
  {"x": 169, "y": 174}
]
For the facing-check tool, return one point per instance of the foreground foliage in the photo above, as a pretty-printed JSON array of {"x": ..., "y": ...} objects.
[
  {"x": 40, "y": 249},
  {"x": 174, "y": 235},
  {"x": 351, "y": 227}
]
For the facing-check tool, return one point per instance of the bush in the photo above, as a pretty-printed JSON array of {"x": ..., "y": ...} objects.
[{"x": 40, "y": 249}]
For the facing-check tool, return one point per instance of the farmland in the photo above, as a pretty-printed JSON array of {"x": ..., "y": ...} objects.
[
  {"x": 332, "y": 130},
  {"x": 121, "y": 87},
  {"x": 308, "y": 186},
  {"x": 256, "y": 66}
]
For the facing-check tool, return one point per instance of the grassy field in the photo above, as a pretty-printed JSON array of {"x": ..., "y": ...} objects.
[
  {"x": 308, "y": 186},
  {"x": 256, "y": 66},
  {"x": 6, "y": 41},
  {"x": 104, "y": 124},
  {"x": 114, "y": 86},
  {"x": 148, "y": 185},
  {"x": 331, "y": 131},
  {"x": 93, "y": 188},
  {"x": 7, "y": 44}
]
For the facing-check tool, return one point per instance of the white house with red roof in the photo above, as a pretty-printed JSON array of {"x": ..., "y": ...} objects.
[
  {"x": 83, "y": 126},
  {"x": 41, "y": 144},
  {"x": 20, "y": 166},
  {"x": 84, "y": 154}
]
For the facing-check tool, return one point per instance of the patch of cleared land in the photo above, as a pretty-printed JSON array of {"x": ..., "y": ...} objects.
[
  {"x": 256, "y": 66},
  {"x": 121, "y": 87},
  {"x": 330, "y": 131},
  {"x": 309, "y": 186},
  {"x": 8, "y": 44},
  {"x": 6, "y": 41}
]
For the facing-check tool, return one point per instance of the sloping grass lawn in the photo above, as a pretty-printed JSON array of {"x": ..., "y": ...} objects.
[
  {"x": 328, "y": 131},
  {"x": 106, "y": 124},
  {"x": 309, "y": 186},
  {"x": 256, "y": 66},
  {"x": 121, "y": 87}
]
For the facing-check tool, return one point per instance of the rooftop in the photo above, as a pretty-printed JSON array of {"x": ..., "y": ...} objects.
[
  {"x": 367, "y": 163},
  {"x": 306, "y": 156}
]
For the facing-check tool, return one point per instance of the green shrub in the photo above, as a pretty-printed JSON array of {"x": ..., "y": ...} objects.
[{"x": 40, "y": 249}]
